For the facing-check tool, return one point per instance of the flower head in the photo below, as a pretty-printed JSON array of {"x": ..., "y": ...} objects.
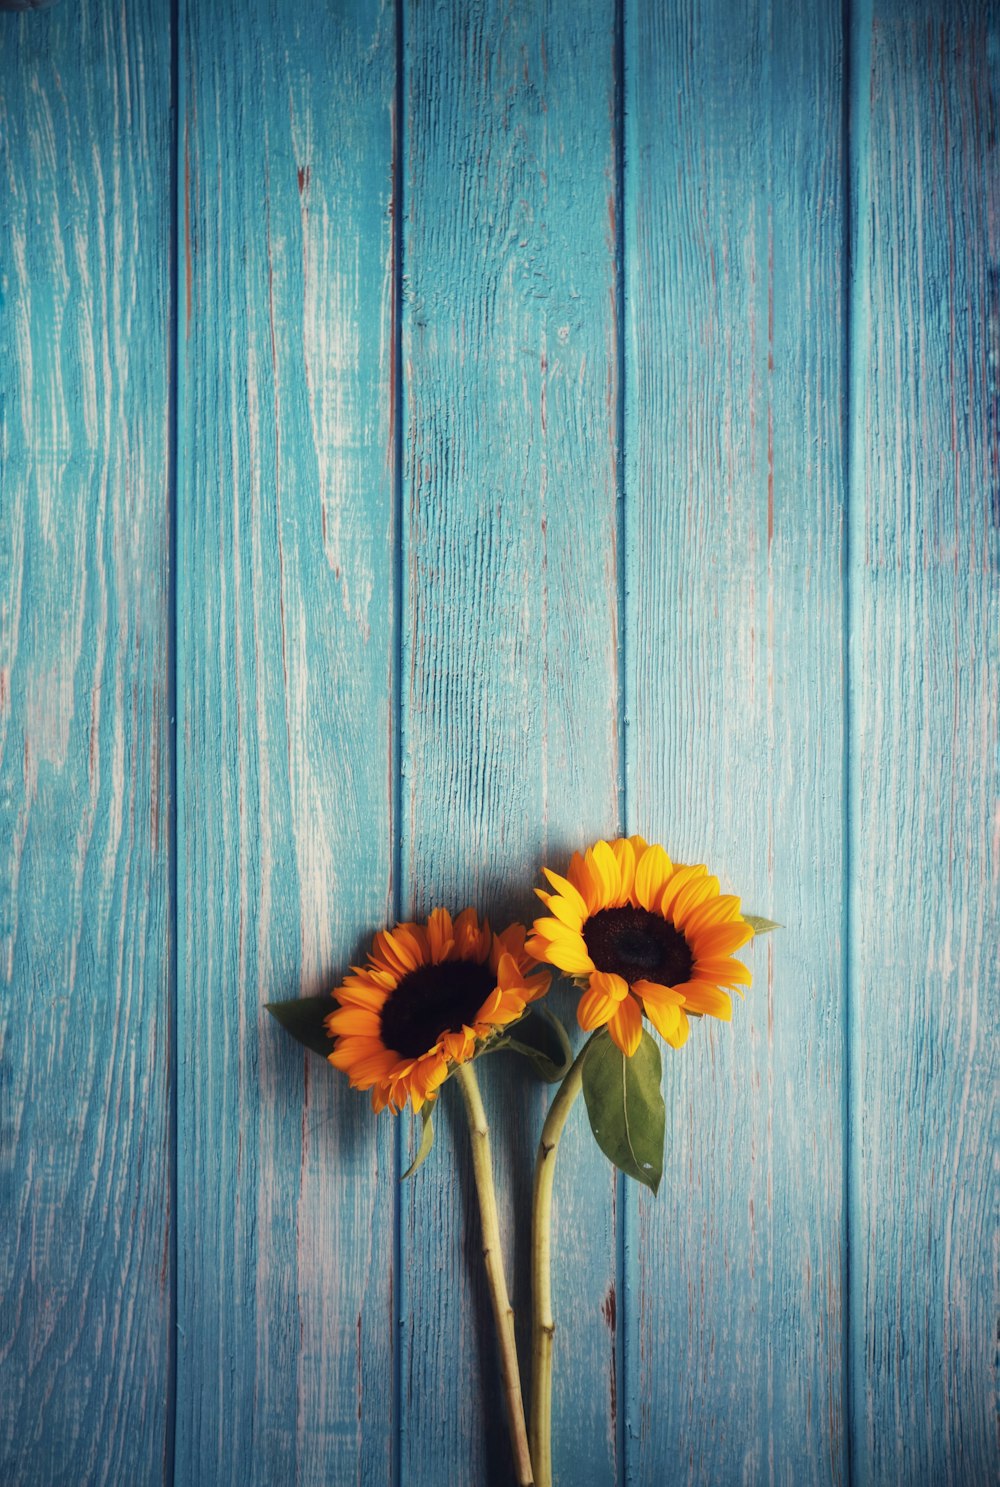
[
  {"x": 645, "y": 936},
  {"x": 430, "y": 996}
]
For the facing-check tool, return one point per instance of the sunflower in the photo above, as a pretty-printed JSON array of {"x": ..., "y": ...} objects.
[
  {"x": 645, "y": 936},
  {"x": 430, "y": 996}
]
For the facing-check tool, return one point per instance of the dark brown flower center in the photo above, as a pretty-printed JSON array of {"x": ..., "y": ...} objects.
[
  {"x": 433, "y": 1000},
  {"x": 638, "y": 946}
]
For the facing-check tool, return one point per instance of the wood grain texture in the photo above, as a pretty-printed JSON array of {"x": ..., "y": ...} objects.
[
  {"x": 285, "y": 646},
  {"x": 510, "y": 636},
  {"x": 85, "y": 747},
  {"x": 925, "y": 885},
  {"x": 734, "y": 523}
]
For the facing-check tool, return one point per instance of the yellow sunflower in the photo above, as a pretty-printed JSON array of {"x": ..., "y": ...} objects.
[
  {"x": 645, "y": 935},
  {"x": 429, "y": 997}
]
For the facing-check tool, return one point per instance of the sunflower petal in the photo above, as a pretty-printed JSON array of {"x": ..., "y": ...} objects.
[
  {"x": 700, "y": 996},
  {"x": 359, "y": 1020},
  {"x": 682, "y": 874},
  {"x": 651, "y": 873},
  {"x": 568, "y": 956},
  {"x": 679, "y": 1037},
  {"x": 722, "y": 972},
  {"x": 693, "y": 894},
  {"x": 665, "y": 1017},
  {"x": 625, "y": 1026},
  {"x": 604, "y": 867},
  {"x": 586, "y": 882},
  {"x": 564, "y": 909},
  {"x": 652, "y": 993},
  {"x": 440, "y": 935},
  {"x": 554, "y": 929},
  {"x": 594, "y": 1009},
  {"x": 355, "y": 993},
  {"x": 625, "y": 857},
  {"x": 722, "y": 910},
  {"x": 566, "y": 890},
  {"x": 721, "y": 939}
]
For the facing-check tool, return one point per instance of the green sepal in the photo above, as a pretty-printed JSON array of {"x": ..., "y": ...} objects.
[
  {"x": 760, "y": 926},
  {"x": 304, "y": 1019},
  {"x": 426, "y": 1142},
  {"x": 542, "y": 1040},
  {"x": 625, "y": 1106}
]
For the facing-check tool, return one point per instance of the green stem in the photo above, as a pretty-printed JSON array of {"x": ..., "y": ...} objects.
[
  {"x": 543, "y": 1327},
  {"x": 503, "y": 1312}
]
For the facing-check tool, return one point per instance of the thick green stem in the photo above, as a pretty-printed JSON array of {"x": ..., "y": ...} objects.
[
  {"x": 543, "y": 1327},
  {"x": 503, "y": 1313}
]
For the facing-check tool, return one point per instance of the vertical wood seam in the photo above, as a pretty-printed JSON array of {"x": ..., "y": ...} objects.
[
  {"x": 621, "y": 1237},
  {"x": 846, "y": 166},
  {"x": 173, "y": 692},
  {"x": 396, "y": 708},
  {"x": 857, "y": 22}
]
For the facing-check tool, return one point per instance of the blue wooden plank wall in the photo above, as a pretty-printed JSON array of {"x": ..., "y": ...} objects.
[{"x": 433, "y": 436}]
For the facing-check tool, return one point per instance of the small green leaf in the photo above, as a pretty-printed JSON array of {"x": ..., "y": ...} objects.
[
  {"x": 761, "y": 926},
  {"x": 304, "y": 1019},
  {"x": 625, "y": 1106},
  {"x": 426, "y": 1142},
  {"x": 541, "y": 1039}
]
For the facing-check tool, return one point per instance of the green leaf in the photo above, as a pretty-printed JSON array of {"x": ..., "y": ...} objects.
[
  {"x": 303, "y": 1018},
  {"x": 625, "y": 1105},
  {"x": 541, "y": 1039},
  {"x": 761, "y": 926},
  {"x": 426, "y": 1142}
]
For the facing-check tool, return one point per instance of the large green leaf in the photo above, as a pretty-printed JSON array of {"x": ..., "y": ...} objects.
[
  {"x": 541, "y": 1038},
  {"x": 426, "y": 1142},
  {"x": 761, "y": 926},
  {"x": 303, "y": 1018},
  {"x": 625, "y": 1106}
]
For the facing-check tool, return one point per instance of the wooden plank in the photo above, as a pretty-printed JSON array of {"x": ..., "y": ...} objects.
[
  {"x": 510, "y": 644},
  {"x": 734, "y": 388},
  {"x": 925, "y": 500},
  {"x": 85, "y": 746},
  {"x": 285, "y": 618}
]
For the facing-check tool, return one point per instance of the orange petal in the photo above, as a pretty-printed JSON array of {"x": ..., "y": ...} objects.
[
  {"x": 554, "y": 929},
  {"x": 594, "y": 1009},
  {"x": 607, "y": 865},
  {"x": 355, "y": 993},
  {"x": 569, "y": 957},
  {"x": 653, "y": 993},
  {"x": 360, "y": 1020},
  {"x": 665, "y": 1017},
  {"x": 625, "y": 857},
  {"x": 586, "y": 882},
  {"x": 608, "y": 984},
  {"x": 651, "y": 873},
  {"x": 720, "y": 939},
  {"x": 682, "y": 875},
  {"x": 563, "y": 909},
  {"x": 509, "y": 976},
  {"x": 566, "y": 890},
  {"x": 697, "y": 892},
  {"x": 722, "y": 910},
  {"x": 722, "y": 972},
  {"x": 440, "y": 934},
  {"x": 679, "y": 1036},
  {"x": 699, "y": 996},
  {"x": 625, "y": 1026}
]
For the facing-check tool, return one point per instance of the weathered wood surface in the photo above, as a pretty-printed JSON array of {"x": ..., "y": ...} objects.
[
  {"x": 925, "y": 648},
  {"x": 285, "y": 733},
  {"x": 528, "y": 480},
  {"x": 510, "y": 633},
  {"x": 734, "y": 639},
  {"x": 85, "y": 747}
]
